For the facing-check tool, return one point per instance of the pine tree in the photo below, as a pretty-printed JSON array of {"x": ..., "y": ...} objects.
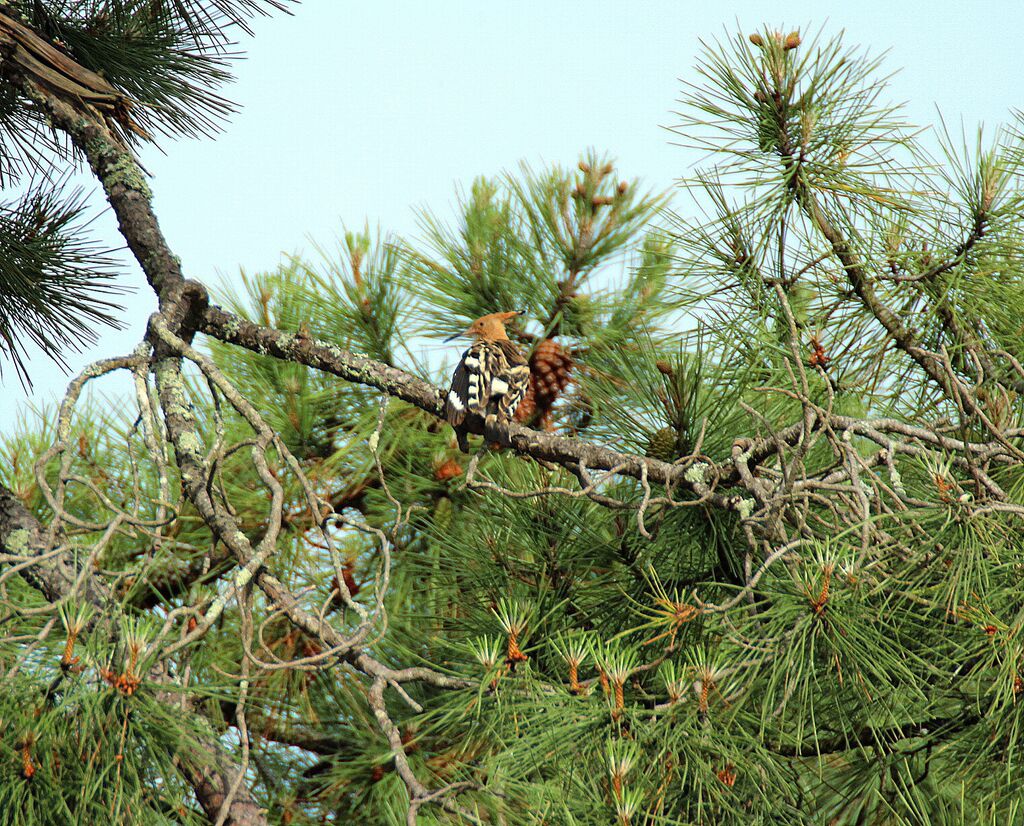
[{"x": 749, "y": 555}]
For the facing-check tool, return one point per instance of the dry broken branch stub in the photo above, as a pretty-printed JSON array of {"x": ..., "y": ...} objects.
[{"x": 48, "y": 65}]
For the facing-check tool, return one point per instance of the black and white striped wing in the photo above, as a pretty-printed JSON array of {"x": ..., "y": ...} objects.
[
  {"x": 514, "y": 381},
  {"x": 480, "y": 368},
  {"x": 455, "y": 403},
  {"x": 471, "y": 384},
  {"x": 491, "y": 378}
]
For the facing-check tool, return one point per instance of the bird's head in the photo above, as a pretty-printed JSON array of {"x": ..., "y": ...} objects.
[{"x": 490, "y": 327}]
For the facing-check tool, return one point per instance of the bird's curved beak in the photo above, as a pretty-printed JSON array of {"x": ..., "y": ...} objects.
[{"x": 453, "y": 337}]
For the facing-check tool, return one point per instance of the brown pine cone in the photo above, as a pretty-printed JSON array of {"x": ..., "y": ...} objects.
[
  {"x": 550, "y": 369},
  {"x": 550, "y": 373}
]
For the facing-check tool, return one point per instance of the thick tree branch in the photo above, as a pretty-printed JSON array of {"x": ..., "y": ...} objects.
[
  {"x": 224, "y": 326},
  {"x": 21, "y": 536},
  {"x": 571, "y": 453}
]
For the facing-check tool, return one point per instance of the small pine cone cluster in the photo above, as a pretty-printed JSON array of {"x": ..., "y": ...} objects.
[
  {"x": 448, "y": 469},
  {"x": 550, "y": 373}
]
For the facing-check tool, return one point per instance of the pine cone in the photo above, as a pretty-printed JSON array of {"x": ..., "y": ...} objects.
[
  {"x": 550, "y": 373},
  {"x": 550, "y": 366},
  {"x": 662, "y": 445}
]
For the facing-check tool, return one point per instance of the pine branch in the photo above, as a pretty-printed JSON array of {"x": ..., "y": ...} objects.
[
  {"x": 153, "y": 61},
  {"x": 122, "y": 179},
  {"x": 861, "y": 282},
  {"x": 53, "y": 282},
  {"x": 211, "y": 20},
  {"x": 543, "y": 446},
  {"x": 209, "y": 769},
  {"x": 147, "y": 64}
]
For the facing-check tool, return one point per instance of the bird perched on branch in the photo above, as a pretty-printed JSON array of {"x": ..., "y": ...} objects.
[{"x": 490, "y": 380}]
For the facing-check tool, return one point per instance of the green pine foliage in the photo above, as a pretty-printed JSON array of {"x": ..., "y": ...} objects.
[
  {"x": 857, "y": 679},
  {"x": 55, "y": 284},
  {"x": 166, "y": 59},
  {"x": 541, "y": 242}
]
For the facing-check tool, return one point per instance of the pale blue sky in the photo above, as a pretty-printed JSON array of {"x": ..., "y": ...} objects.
[{"x": 356, "y": 111}]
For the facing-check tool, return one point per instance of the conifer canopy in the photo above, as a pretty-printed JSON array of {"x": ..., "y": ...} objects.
[{"x": 749, "y": 551}]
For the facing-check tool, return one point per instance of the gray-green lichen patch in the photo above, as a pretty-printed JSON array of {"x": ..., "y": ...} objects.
[
  {"x": 172, "y": 389},
  {"x": 188, "y": 442},
  {"x": 695, "y": 474},
  {"x": 96, "y": 148},
  {"x": 242, "y": 578},
  {"x": 176, "y": 406},
  {"x": 126, "y": 172},
  {"x": 17, "y": 542},
  {"x": 232, "y": 327}
]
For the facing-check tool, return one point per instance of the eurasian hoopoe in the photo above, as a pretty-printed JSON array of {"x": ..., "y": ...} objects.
[{"x": 490, "y": 380}]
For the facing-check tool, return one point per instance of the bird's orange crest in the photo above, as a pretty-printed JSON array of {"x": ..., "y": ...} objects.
[{"x": 490, "y": 327}]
